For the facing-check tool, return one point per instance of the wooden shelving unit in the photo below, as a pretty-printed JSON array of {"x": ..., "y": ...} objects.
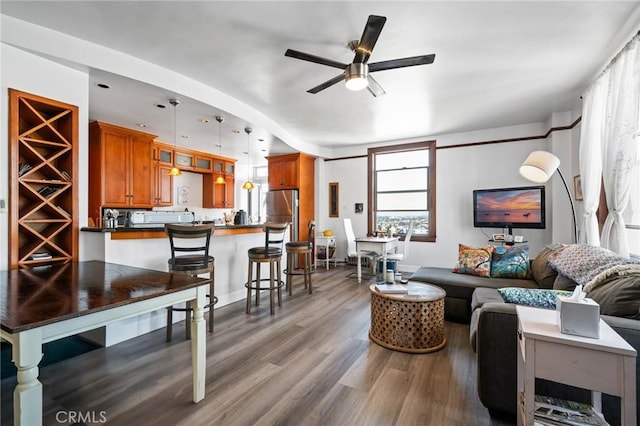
[{"x": 43, "y": 221}]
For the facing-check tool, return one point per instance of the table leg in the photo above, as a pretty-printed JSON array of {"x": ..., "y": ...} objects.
[
  {"x": 359, "y": 267},
  {"x": 27, "y": 396},
  {"x": 199, "y": 345},
  {"x": 628, "y": 399},
  {"x": 384, "y": 263}
]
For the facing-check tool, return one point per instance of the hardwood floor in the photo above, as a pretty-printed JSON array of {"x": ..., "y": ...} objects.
[{"x": 311, "y": 363}]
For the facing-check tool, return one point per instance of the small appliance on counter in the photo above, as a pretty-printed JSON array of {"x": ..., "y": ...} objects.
[
  {"x": 241, "y": 218},
  {"x": 157, "y": 219}
]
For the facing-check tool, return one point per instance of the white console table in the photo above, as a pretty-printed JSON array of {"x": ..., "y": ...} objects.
[{"x": 606, "y": 364}]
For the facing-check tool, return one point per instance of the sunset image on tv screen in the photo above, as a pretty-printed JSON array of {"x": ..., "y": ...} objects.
[{"x": 517, "y": 206}]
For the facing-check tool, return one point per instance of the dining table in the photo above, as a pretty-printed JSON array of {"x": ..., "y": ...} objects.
[
  {"x": 381, "y": 245},
  {"x": 48, "y": 303}
]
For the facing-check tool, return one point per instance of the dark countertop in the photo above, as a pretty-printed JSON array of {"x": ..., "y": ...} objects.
[{"x": 161, "y": 229}]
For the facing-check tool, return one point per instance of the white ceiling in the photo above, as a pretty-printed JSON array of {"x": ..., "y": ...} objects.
[{"x": 497, "y": 64}]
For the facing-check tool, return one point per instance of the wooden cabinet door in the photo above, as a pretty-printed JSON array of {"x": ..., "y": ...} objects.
[
  {"x": 283, "y": 173},
  {"x": 115, "y": 159},
  {"x": 163, "y": 186},
  {"x": 141, "y": 173},
  {"x": 229, "y": 189}
]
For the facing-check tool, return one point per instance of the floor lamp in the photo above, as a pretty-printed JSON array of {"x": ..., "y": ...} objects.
[{"x": 539, "y": 167}]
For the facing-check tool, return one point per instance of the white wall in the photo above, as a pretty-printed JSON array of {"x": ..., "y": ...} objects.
[
  {"x": 460, "y": 170},
  {"x": 33, "y": 74}
]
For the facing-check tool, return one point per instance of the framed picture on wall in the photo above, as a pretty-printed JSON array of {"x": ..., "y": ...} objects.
[
  {"x": 577, "y": 188},
  {"x": 333, "y": 199}
]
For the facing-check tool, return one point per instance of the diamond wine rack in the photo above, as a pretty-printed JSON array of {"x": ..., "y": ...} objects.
[{"x": 43, "y": 138}]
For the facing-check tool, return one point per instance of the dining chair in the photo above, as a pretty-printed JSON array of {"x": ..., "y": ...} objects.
[{"x": 352, "y": 248}]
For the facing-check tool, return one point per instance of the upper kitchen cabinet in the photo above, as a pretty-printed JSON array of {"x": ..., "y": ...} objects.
[
  {"x": 120, "y": 168},
  {"x": 218, "y": 189},
  {"x": 284, "y": 171},
  {"x": 162, "y": 180},
  {"x": 189, "y": 160},
  {"x": 43, "y": 172},
  {"x": 290, "y": 171}
]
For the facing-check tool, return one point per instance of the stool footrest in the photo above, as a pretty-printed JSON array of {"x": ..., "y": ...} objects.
[
  {"x": 302, "y": 272},
  {"x": 257, "y": 286}
]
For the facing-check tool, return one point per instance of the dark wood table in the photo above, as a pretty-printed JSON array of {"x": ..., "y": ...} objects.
[{"x": 48, "y": 303}]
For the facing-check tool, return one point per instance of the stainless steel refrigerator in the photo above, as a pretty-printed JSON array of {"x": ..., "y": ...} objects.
[{"x": 282, "y": 206}]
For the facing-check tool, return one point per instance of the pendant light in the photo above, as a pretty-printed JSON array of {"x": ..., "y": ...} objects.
[
  {"x": 248, "y": 185},
  {"x": 220, "y": 179},
  {"x": 174, "y": 170}
]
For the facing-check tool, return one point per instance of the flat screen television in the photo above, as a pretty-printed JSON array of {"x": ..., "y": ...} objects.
[{"x": 522, "y": 207}]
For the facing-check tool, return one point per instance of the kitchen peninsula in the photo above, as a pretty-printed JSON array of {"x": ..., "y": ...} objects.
[{"x": 149, "y": 248}]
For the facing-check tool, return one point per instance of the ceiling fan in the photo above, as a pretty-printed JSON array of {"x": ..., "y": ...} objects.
[{"x": 357, "y": 74}]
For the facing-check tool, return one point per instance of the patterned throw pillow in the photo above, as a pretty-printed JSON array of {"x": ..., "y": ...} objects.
[
  {"x": 510, "y": 262},
  {"x": 474, "y": 260},
  {"x": 540, "y": 298}
]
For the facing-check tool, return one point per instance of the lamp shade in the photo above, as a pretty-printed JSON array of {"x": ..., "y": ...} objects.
[
  {"x": 355, "y": 76},
  {"x": 248, "y": 185},
  {"x": 539, "y": 166}
]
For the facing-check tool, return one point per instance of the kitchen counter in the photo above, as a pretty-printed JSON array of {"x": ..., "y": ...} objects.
[
  {"x": 140, "y": 232},
  {"x": 149, "y": 248}
]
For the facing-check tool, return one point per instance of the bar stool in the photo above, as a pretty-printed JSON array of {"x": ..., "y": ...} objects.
[
  {"x": 270, "y": 253},
  {"x": 304, "y": 248},
  {"x": 198, "y": 262}
]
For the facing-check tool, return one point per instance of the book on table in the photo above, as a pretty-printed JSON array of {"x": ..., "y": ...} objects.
[
  {"x": 555, "y": 411},
  {"x": 391, "y": 288}
]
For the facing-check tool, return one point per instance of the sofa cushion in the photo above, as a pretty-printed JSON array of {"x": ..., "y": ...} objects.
[
  {"x": 474, "y": 260},
  {"x": 618, "y": 296},
  {"x": 541, "y": 270},
  {"x": 563, "y": 282},
  {"x": 538, "y": 297},
  {"x": 510, "y": 262},
  {"x": 461, "y": 286}
]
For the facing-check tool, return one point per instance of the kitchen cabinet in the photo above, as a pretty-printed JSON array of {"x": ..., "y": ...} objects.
[
  {"x": 283, "y": 171},
  {"x": 43, "y": 174},
  {"x": 219, "y": 195},
  {"x": 295, "y": 171},
  {"x": 196, "y": 161},
  {"x": 162, "y": 181},
  {"x": 120, "y": 168}
]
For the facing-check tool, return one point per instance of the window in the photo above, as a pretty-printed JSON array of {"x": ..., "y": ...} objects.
[
  {"x": 631, "y": 214},
  {"x": 402, "y": 183}
]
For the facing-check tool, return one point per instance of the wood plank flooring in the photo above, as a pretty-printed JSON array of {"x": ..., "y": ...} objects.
[{"x": 311, "y": 363}]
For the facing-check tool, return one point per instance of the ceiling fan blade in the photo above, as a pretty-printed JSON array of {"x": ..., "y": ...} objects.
[
  {"x": 369, "y": 38},
  {"x": 326, "y": 84},
  {"x": 312, "y": 58},
  {"x": 401, "y": 63},
  {"x": 374, "y": 88}
]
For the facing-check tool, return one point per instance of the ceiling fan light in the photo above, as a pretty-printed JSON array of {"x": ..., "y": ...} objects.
[{"x": 355, "y": 76}]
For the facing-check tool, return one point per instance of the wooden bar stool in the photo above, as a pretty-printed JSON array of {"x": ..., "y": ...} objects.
[
  {"x": 270, "y": 253},
  {"x": 294, "y": 250},
  {"x": 193, "y": 264}
]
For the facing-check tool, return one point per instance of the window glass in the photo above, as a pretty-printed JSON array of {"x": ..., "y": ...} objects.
[{"x": 401, "y": 178}]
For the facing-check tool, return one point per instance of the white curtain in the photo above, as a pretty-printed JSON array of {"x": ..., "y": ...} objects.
[
  {"x": 593, "y": 114},
  {"x": 615, "y": 140}
]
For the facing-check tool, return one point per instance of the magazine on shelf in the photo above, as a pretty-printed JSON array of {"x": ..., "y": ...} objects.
[
  {"x": 555, "y": 411},
  {"x": 391, "y": 288}
]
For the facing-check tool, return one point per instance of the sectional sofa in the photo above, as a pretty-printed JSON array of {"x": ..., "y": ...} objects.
[{"x": 493, "y": 321}]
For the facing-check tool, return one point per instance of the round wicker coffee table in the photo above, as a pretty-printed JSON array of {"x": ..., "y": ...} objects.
[{"x": 410, "y": 322}]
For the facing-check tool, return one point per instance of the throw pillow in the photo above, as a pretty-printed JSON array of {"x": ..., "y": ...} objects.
[
  {"x": 474, "y": 260},
  {"x": 619, "y": 296},
  {"x": 541, "y": 270},
  {"x": 540, "y": 298},
  {"x": 510, "y": 262}
]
